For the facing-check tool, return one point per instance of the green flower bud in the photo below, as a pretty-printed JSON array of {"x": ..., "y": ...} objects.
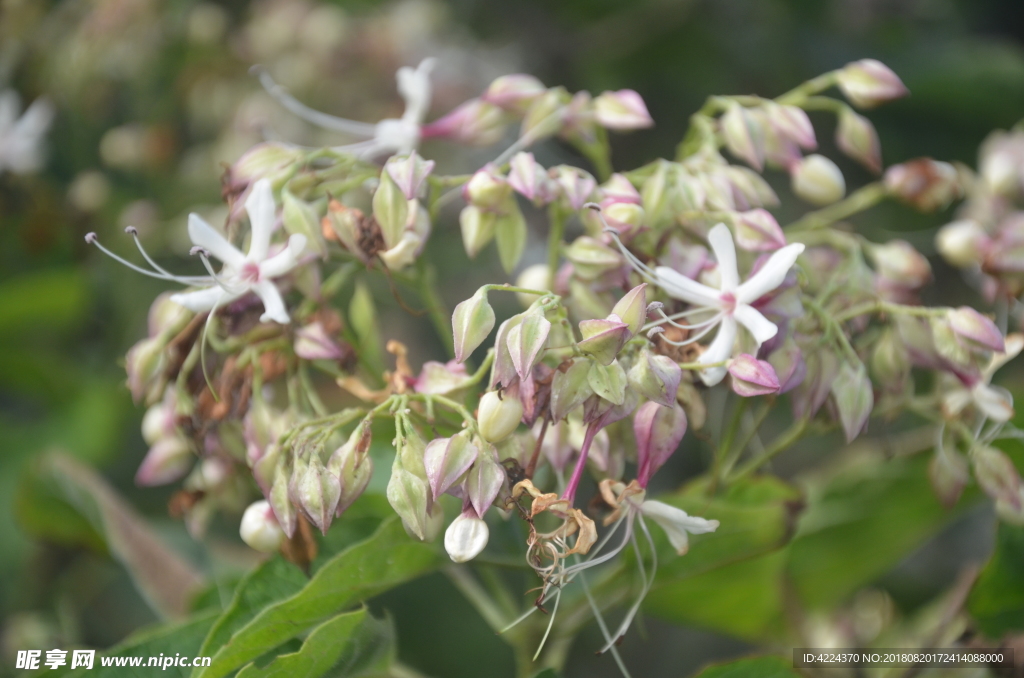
[
  {"x": 472, "y": 321},
  {"x": 498, "y": 417}
]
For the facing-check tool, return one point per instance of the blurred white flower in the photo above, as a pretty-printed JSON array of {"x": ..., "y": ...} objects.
[{"x": 21, "y": 138}]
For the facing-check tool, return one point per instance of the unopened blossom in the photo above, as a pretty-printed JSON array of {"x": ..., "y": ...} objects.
[
  {"x": 253, "y": 271},
  {"x": 622, "y": 110},
  {"x": 259, "y": 528},
  {"x": 963, "y": 243},
  {"x": 466, "y": 537},
  {"x": 990, "y": 401},
  {"x": 21, "y": 138},
  {"x": 818, "y": 180},
  {"x": 868, "y": 83}
]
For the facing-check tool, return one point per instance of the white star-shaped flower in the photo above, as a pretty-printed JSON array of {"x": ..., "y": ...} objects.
[
  {"x": 253, "y": 271},
  {"x": 21, "y": 138}
]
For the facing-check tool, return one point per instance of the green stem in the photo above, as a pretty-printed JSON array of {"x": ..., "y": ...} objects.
[
  {"x": 556, "y": 234},
  {"x": 748, "y": 435},
  {"x": 880, "y": 306},
  {"x": 724, "y": 447},
  {"x": 858, "y": 201},
  {"x": 788, "y": 437},
  {"x": 439, "y": 315},
  {"x": 798, "y": 95}
]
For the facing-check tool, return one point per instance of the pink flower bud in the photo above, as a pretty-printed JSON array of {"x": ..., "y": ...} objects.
[
  {"x": 898, "y": 261},
  {"x": 791, "y": 123},
  {"x": 466, "y": 537},
  {"x": 409, "y": 173},
  {"x": 472, "y": 321},
  {"x": 817, "y": 180},
  {"x": 498, "y": 417},
  {"x": 658, "y": 431},
  {"x": 438, "y": 378},
  {"x": 515, "y": 92},
  {"x": 604, "y": 338},
  {"x": 259, "y": 528},
  {"x": 529, "y": 179},
  {"x": 856, "y": 137},
  {"x": 446, "y": 460},
  {"x": 655, "y": 377},
  {"x": 619, "y": 189},
  {"x": 526, "y": 342},
  {"x": 975, "y": 329},
  {"x": 632, "y": 308},
  {"x": 752, "y": 377},
  {"x": 789, "y": 366},
  {"x": 576, "y": 186},
  {"x": 926, "y": 184},
  {"x": 854, "y": 399},
  {"x": 313, "y": 343},
  {"x": 743, "y": 134},
  {"x": 318, "y": 492},
  {"x": 476, "y": 123},
  {"x": 868, "y": 83},
  {"x": 758, "y": 231},
  {"x": 963, "y": 243},
  {"x": 484, "y": 480},
  {"x": 622, "y": 110},
  {"x": 167, "y": 461},
  {"x": 997, "y": 475}
]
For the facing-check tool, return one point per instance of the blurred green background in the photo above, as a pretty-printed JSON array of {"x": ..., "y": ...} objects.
[{"x": 154, "y": 98}]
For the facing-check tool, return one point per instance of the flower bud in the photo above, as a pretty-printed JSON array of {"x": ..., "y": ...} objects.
[
  {"x": 484, "y": 480},
  {"x": 570, "y": 388},
  {"x": 976, "y": 330},
  {"x": 576, "y": 185},
  {"x": 167, "y": 317},
  {"x": 962, "y": 243},
  {"x": 591, "y": 259},
  {"x": 622, "y": 110},
  {"x": 313, "y": 343},
  {"x": 658, "y": 431},
  {"x": 472, "y": 321},
  {"x": 655, "y": 194},
  {"x": 857, "y": 138},
  {"x": 466, "y": 537},
  {"x": 948, "y": 474},
  {"x": 817, "y": 180},
  {"x": 352, "y": 465},
  {"x": 498, "y": 417},
  {"x": 1002, "y": 163},
  {"x": 813, "y": 391},
  {"x": 510, "y": 234},
  {"x": 655, "y": 377},
  {"x": 603, "y": 339},
  {"x": 743, "y": 135},
  {"x": 792, "y": 124},
  {"x": 868, "y": 83},
  {"x": 993, "y": 402},
  {"x": 169, "y": 459},
  {"x": 318, "y": 492},
  {"x": 752, "y": 377},
  {"x": 477, "y": 228},
  {"x": 345, "y": 225},
  {"x": 890, "y": 364},
  {"x": 788, "y": 363},
  {"x": 262, "y": 160},
  {"x": 758, "y": 231},
  {"x": 854, "y": 399},
  {"x": 259, "y": 528},
  {"x": 158, "y": 422},
  {"x": 528, "y": 178},
  {"x": 145, "y": 365},
  {"x": 446, "y": 460},
  {"x": 280, "y": 499},
  {"x": 390, "y": 209},
  {"x": 609, "y": 383},
  {"x": 898, "y": 261},
  {"x": 408, "y": 491},
  {"x": 487, "y": 188},
  {"x": 632, "y": 308},
  {"x": 409, "y": 173},
  {"x": 997, "y": 475},
  {"x": 526, "y": 342},
  {"x": 412, "y": 239},
  {"x": 300, "y": 219},
  {"x": 515, "y": 92},
  {"x": 535, "y": 277},
  {"x": 925, "y": 184},
  {"x": 545, "y": 115},
  {"x": 476, "y": 123},
  {"x": 625, "y": 217}
]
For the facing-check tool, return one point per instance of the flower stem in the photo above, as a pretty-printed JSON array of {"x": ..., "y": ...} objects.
[
  {"x": 858, "y": 201},
  {"x": 788, "y": 437},
  {"x": 581, "y": 463},
  {"x": 439, "y": 315},
  {"x": 555, "y": 235}
]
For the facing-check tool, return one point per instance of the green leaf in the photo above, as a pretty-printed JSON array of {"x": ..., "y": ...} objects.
[
  {"x": 510, "y": 234},
  {"x": 997, "y": 600},
  {"x": 345, "y": 645},
  {"x": 756, "y": 667},
  {"x": 45, "y": 300},
  {"x": 386, "y": 559}
]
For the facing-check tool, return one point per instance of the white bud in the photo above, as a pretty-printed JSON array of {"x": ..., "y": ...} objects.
[
  {"x": 817, "y": 180},
  {"x": 466, "y": 537},
  {"x": 962, "y": 243},
  {"x": 498, "y": 417},
  {"x": 260, "y": 529}
]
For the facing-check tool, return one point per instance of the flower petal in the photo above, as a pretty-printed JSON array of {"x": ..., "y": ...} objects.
[
  {"x": 285, "y": 260},
  {"x": 677, "y": 523},
  {"x": 994, "y": 402},
  {"x": 770, "y": 276},
  {"x": 202, "y": 300},
  {"x": 273, "y": 304},
  {"x": 680, "y": 287},
  {"x": 724, "y": 248},
  {"x": 260, "y": 206},
  {"x": 204, "y": 235},
  {"x": 719, "y": 350},
  {"x": 759, "y": 326}
]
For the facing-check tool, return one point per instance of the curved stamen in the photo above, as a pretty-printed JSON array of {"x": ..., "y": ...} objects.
[
  {"x": 192, "y": 279},
  {"x": 670, "y": 319},
  {"x": 216, "y": 278},
  {"x": 604, "y": 627},
  {"x": 189, "y": 280},
  {"x": 551, "y": 622},
  {"x": 324, "y": 120},
  {"x": 645, "y": 271},
  {"x": 697, "y": 337},
  {"x": 647, "y": 582}
]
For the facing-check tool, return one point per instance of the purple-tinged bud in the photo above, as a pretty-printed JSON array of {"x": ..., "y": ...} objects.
[
  {"x": 313, "y": 343},
  {"x": 168, "y": 460},
  {"x": 604, "y": 338},
  {"x": 622, "y": 110},
  {"x": 576, "y": 185},
  {"x": 743, "y": 135},
  {"x": 925, "y": 184},
  {"x": 259, "y": 528},
  {"x": 655, "y": 377},
  {"x": 504, "y": 371},
  {"x": 390, "y": 209},
  {"x": 788, "y": 363},
  {"x": 854, "y": 399},
  {"x": 528, "y": 178},
  {"x": 526, "y": 342},
  {"x": 817, "y": 180},
  {"x": 546, "y": 115},
  {"x": 752, "y": 377},
  {"x": 632, "y": 308},
  {"x": 976, "y": 330},
  {"x": 280, "y": 500},
  {"x": 484, "y": 480},
  {"x": 466, "y": 537},
  {"x": 619, "y": 189},
  {"x": 625, "y": 217},
  {"x": 487, "y": 188},
  {"x": 446, "y": 460},
  {"x": 857, "y": 138},
  {"x": 318, "y": 493},
  {"x": 811, "y": 394},
  {"x": 591, "y": 258},
  {"x": 792, "y": 124},
  {"x": 498, "y": 417},
  {"x": 898, "y": 261},
  {"x": 515, "y": 92},
  {"x": 570, "y": 388},
  {"x": 758, "y": 231},
  {"x": 963, "y": 243},
  {"x": 475, "y": 122},
  {"x": 262, "y": 160},
  {"x": 438, "y": 378},
  {"x": 167, "y": 317},
  {"x": 409, "y": 173},
  {"x": 472, "y": 321},
  {"x": 949, "y": 474},
  {"x": 477, "y": 227},
  {"x": 997, "y": 475},
  {"x": 658, "y": 431},
  {"x": 352, "y": 465},
  {"x": 868, "y": 83},
  {"x": 947, "y": 344}
]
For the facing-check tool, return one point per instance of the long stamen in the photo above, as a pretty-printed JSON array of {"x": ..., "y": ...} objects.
[
  {"x": 551, "y": 622},
  {"x": 593, "y": 561},
  {"x": 189, "y": 280},
  {"x": 643, "y": 269},
  {"x": 671, "y": 320},
  {"x": 134, "y": 233},
  {"x": 325, "y": 120},
  {"x": 216, "y": 278},
  {"x": 697, "y": 337},
  {"x": 647, "y": 582},
  {"x": 604, "y": 627}
]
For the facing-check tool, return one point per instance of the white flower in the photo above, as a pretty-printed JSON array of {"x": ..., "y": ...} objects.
[
  {"x": 677, "y": 523},
  {"x": 993, "y": 402},
  {"x": 21, "y": 139},
  {"x": 250, "y": 272},
  {"x": 729, "y": 304}
]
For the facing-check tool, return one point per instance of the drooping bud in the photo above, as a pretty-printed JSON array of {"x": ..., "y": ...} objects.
[
  {"x": 475, "y": 122},
  {"x": 817, "y": 180},
  {"x": 318, "y": 493},
  {"x": 868, "y": 83},
  {"x": 591, "y": 259},
  {"x": 948, "y": 473},
  {"x": 752, "y": 377},
  {"x": 167, "y": 317},
  {"x": 498, "y": 417},
  {"x": 743, "y": 135},
  {"x": 409, "y": 173},
  {"x": 603, "y": 339},
  {"x": 169, "y": 459},
  {"x": 259, "y": 528},
  {"x": 313, "y": 343},
  {"x": 472, "y": 321},
  {"x": 975, "y": 329},
  {"x": 390, "y": 209},
  {"x": 477, "y": 227},
  {"x": 576, "y": 185},
  {"x": 408, "y": 491},
  {"x": 530, "y": 180},
  {"x": 925, "y": 184},
  {"x": 788, "y": 363},
  {"x": 484, "y": 480},
  {"x": 655, "y": 377},
  {"x": 446, "y": 459},
  {"x": 658, "y": 430},
  {"x": 510, "y": 234},
  {"x": 898, "y": 261},
  {"x": 466, "y": 537},
  {"x": 352, "y": 465},
  {"x": 569, "y": 388},
  {"x": 545, "y": 115},
  {"x": 854, "y": 399},
  {"x": 857, "y": 138},
  {"x": 145, "y": 364},
  {"x": 487, "y": 188},
  {"x": 609, "y": 383},
  {"x": 632, "y": 309},
  {"x": 997, "y": 475},
  {"x": 621, "y": 110},
  {"x": 791, "y": 123},
  {"x": 526, "y": 342},
  {"x": 962, "y": 243},
  {"x": 758, "y": 231},
  {"x": 514, "y": 92}
]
